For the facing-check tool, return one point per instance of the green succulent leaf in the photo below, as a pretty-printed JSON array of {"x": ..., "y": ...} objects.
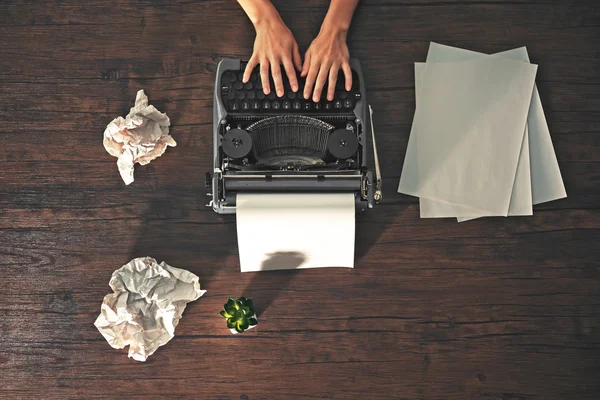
[
  {"x": 252, "y": 321},
  {"x": 244, "y": 324},
  {"x": 248, "y": 303},
  {"x": 230, "y": 306},
  {"x": 225, "y": 314},
  {"x": 238, "y": 329},
  {"x": 231, "y": 324}
]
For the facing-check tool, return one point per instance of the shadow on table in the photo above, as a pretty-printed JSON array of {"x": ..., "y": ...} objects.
[
  {"x": 369, "y": 227},
  {"x": 267, "y": 284}
]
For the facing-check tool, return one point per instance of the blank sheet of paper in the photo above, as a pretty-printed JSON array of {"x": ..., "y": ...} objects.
[
  {"x": 467, "y": 146},
  {"x": 520, "y": 202},
  {"x": 546, "y": 180},
  {"x": 521, "y": 198},
  {"x": 295, "y": 230}
]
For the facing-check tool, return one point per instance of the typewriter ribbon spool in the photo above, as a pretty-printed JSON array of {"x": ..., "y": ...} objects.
[{"x": 237, "y": 143}]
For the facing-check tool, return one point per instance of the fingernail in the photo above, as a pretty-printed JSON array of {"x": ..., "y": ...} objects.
[{"x": 295, "y": 88}]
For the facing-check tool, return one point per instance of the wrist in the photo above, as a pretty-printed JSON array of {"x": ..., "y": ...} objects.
[
  {"x": 338, "y": 18},
  {"x": 332, "y": 28},
  {"x": 265, "y": 15}
]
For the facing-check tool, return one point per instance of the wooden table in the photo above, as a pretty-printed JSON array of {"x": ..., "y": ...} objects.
[{"x": 502, "y": 309}]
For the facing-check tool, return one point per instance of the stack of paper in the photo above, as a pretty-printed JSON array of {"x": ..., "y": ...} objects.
[{"x": 479, "y": 145}]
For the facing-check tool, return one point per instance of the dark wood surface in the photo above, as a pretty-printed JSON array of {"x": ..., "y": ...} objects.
[{"x": 502, "y": 309}]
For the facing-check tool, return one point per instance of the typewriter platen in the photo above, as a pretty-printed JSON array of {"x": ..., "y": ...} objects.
[{"x": 264, "y": 143}]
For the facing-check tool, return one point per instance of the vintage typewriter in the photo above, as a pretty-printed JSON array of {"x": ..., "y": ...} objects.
[{"x": 264, "y": 143}]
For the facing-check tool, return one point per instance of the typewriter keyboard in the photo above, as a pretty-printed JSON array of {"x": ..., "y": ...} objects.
[{"x": 249, "y": 98}]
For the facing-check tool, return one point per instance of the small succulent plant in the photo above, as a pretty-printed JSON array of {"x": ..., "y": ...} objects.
[{"x": 240, "y": 314}]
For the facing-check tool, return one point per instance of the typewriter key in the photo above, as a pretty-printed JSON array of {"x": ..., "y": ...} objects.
[
  {"x": 342, "y": 144},
  {"x": 237, "y": 143}
]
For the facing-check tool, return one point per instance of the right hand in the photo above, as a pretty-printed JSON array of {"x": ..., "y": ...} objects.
[{"x": 274, "y": 45}]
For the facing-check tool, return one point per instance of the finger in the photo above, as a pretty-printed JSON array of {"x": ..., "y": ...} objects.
[
  {"x": 321, "y": 79},
  {"x": 333, "y": 74},
  {"x": 276, "y": 72},
  {"x": 264, "y": 76},
  {"x": 311, "y": 76},
  {"x": 306, "y": 65},
  {"x": 249, "y": 68},
  {"x": 296, "y": 57},
  {"x": 291, "y": 73},
  {"x": 348, "y": 75}
]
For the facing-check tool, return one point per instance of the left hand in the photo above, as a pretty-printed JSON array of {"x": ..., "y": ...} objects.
[{"x": 326, "y": 55}]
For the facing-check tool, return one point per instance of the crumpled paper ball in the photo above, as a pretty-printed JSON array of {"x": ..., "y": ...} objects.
[
  {"x": 140, "y": 137},
  {"x": 146, "y": 305}
]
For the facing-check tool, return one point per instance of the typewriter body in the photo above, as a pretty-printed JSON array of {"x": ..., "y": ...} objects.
[{"x": 288, "y": 144}]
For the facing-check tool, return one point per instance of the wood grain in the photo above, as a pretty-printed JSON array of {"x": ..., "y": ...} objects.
[{"x": 493, "y": 309}]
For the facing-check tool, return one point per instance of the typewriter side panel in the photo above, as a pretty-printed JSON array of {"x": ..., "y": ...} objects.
[
  {"x": 219, "y": 114},
  {"x": 365, "y": 131}
]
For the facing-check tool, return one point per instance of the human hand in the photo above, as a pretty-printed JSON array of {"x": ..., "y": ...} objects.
[
  {"x": 274, "y": 45},
  {"x": 326, "y": 55}
]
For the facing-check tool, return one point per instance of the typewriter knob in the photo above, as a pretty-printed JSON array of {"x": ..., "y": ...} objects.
[
  {"x": 342, "y": 144},
  {"x": 237, "y": 143}
]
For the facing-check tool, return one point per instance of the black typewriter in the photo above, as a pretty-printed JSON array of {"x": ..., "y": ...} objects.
[{"x": 266, "y": 143}]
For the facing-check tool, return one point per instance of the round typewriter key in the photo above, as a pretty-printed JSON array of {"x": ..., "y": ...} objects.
[
  {"x": 231, "y": 95},
  {"x": 260, "y": 95},
  {"x": 248, "y": 85},
  {"x": 348, "y": 103},
  {"x": 230, "y": 76},
  {"x": 256, "y": 105},
  {"x": 241, "y": 95},
  {"x": 342, "y": 143},
  {"x": 297, "y": 105},
  {"x": 276, "y": 105},
  {"x": 251, "y": 96},
  {"x": 245, "y": 106},
  {"x": 266, "y": 105},
  {"x": 291, "y": 95},
  {"x": 271, "y": 95},
  {"x": 286, "y": 105},
  {"x": 236, "y": 143},
  {"x": 238, "y": 85}
]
